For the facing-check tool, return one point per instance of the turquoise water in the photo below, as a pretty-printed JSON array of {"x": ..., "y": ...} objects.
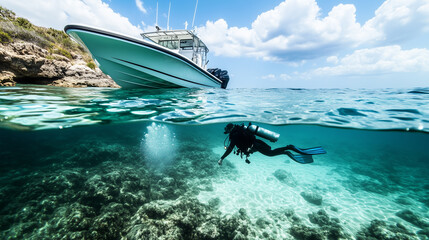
[
  {"x": 40, "y": 107},
  {"x": 115, "y": 164}
]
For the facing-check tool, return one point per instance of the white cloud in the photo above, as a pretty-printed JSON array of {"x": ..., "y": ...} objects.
[
  {"x": 139, "y": 5},
  {"x": 380, "y": 60},
  {"x": 332, "y": 59},
  {"x": 295, "y": 30},
  {"x": 274, "y": 77},
  {"x": 149, "y": 28},
  {"x": 292, "y": 31},
  {"x": 285, "y": 77},
  {"x": 57, "y": 14},
  {"x": 397, "y": 20},
  {"x": 269, "y": 77},
  {"x": 227, "y": 41}
]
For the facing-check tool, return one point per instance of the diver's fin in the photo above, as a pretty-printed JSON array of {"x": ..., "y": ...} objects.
[
  {"x": 307, "y": 151},
  {"x": 303, "y": 159}
]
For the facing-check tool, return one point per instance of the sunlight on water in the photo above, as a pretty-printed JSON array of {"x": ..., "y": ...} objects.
[{"x": 159, "y": 145}]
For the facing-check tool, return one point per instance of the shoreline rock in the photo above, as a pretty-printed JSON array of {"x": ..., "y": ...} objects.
[{"x": 27, "y": 63}]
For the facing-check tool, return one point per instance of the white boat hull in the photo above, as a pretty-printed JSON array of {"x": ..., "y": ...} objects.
[{"x": 132, "y": 62}]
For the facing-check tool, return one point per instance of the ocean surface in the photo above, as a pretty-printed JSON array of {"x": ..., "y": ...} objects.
[{"x": 96, "y": 163}]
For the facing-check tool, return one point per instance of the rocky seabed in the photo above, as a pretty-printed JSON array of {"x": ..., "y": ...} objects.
[{"x": 105, "y": 190}]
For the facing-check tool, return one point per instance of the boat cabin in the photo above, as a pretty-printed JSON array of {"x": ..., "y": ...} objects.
[{"x": 183, "y": 42}]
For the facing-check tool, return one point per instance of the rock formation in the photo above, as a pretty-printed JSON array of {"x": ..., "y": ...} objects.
[
  {"x": 312, "y": 197},
  {"x": 25, "y": 62},
  {"x": 285, "y": 177}
]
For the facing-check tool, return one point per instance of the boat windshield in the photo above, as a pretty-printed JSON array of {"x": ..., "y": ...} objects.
[
  {"x": 171, "y": 44},
  {"x": 186, "y": 44},
  {"x": 183, "y": 42}
]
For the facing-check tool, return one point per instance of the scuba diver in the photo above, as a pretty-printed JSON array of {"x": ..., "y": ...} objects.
[{"x": 244, "y": 138}]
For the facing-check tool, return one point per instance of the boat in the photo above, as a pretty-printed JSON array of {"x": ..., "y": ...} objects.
[{"x": 161, "y": 59}]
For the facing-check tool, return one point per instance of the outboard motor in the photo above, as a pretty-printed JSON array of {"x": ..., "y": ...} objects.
[
  {"x": 222, "y": 75},
  {"x": 262, "y": 132}
]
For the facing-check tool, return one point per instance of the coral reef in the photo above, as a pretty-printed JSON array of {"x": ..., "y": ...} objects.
[
  {"x": 77, "y": 203},
  {"x": 380, "y": 230},
  {"x": 326, "y": 227},
  {"x": 302, "y": 232},
  {"x": 185, "y": 218},
  {"x": 92, "y": 188}
]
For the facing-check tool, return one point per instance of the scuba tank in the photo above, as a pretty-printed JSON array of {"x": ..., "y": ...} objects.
[{"x": 262, "y": 132}]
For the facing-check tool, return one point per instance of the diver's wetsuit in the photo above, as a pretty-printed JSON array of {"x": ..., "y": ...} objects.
[
  {"x": 265, "y": 149},
  {"x": 247, "y": 143}
]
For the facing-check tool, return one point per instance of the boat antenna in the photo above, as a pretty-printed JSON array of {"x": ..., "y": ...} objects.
[
  {"x": 168, "y": 18},
  {"x": 156, "y": 21},
  {"x": 195, "y": 12}
]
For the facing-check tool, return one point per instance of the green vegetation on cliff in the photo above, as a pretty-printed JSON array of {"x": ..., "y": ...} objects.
[
  {"x": 4, "y": 37},
  {"x": 91, "y": 65},
  {"x": 13, "y": 28}
]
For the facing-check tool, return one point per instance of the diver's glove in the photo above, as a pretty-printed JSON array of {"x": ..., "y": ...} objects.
[{"x": 220, "y": 162}]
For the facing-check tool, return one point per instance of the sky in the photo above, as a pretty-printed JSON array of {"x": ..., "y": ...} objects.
[{"x": 276, "y": 43}]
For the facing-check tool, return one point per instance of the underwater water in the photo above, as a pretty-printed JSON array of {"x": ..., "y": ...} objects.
[{"x": 139, "y": 164}]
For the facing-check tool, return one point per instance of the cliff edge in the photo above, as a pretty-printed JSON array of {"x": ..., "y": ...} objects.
[
  {"x": 27, "y": 63},
  {"x": 35, "y": 55}
]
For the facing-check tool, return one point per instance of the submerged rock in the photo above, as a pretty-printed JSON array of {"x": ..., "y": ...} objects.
[
  {"x": 290, "y": 214},
  {"x": 285, "y": 177},
  {"x": 330, "y": 226},
  {"x": 312, "y": 197},
  {"x": 412, "y": 218},
  {"x": 262, "y": 223},
  {"x": 381, "y": 230},
  {"x": 403, "y": 200},
  {"x": 320, "y": 218},
  {"x": 71, "y": 203},
  {"x": 185, "y": 218},
  {"x": 214, "y": 202},
  {"x": 302, "y": 232},
  {"x": 326, "y": 227},
  {"x": 92, "y": 188}
]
